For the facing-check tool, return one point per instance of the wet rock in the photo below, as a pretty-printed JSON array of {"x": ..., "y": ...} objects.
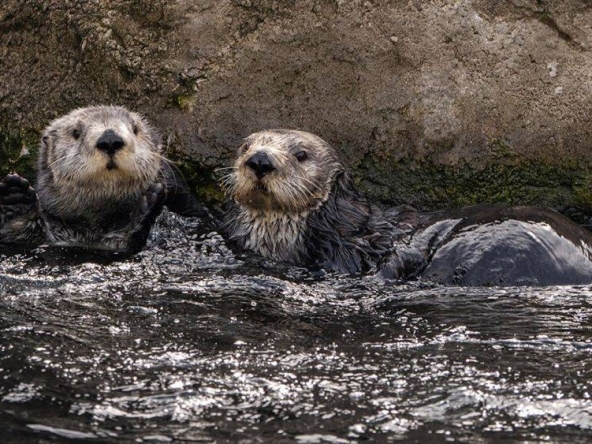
[{"x": 433, "y": 104}]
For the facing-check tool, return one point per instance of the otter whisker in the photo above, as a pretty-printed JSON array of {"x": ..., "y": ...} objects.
[
  {"x": 229, "y": 176},
  {"x": 168, "y": 164},
  {"x": 300, "y": 194},
  {"x": 56, "y": 160},
  {"x": 226, "y": 168},
  {"x": 310, "y": 182},
  {"x": 295, "y": 196},
  {"x": 228, "y": 182}
]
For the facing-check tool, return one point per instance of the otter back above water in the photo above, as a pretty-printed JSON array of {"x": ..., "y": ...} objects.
[
  {"x": 291, "y": 199},
  {"x": 496, "y": 246}
]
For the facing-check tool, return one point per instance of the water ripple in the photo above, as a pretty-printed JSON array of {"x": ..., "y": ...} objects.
[{"x": 189, "y": 341}]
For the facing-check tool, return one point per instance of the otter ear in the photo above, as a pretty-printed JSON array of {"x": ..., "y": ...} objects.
[
  {"x": 46, "y": 141},
  {"x": 45, "y": 147},
  {"x": 156, "y": 139},
  {"x": 144, "y": 128},
  {"x": 158, "y": 142},
  {"x": 47, "y": 144}
]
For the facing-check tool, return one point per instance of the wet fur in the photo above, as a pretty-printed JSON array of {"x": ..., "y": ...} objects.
[
  {"x": 81, "y": 202},
  {"x": 347, "y": 233},
  {"x": 286, "y": 207},
  {"x": 309, "y": 213}
]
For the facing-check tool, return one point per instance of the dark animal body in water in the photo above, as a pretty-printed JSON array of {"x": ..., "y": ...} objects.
[
  {"x": 101, "y": 183},
  {"x": 291, "y": 199},
  {"x": 491, "y": 245}
]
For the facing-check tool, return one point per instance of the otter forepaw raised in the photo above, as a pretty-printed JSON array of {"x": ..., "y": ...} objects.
[
  {"x": 19, "y": 214},
  {"x": 150, "y": 206},
  {"x": 16, "y": 190},
  {"x": 17, "y": 199},
  {"x": 152, "y": 197}
]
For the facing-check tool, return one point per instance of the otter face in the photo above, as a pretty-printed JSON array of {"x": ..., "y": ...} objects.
[
  {"x": 283, "y": 170},
  {"x": 101, "y": 145}
]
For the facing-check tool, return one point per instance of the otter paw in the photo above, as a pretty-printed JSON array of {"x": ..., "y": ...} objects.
[
  {"x": 149, "y": 206},
  {"x": 16, "y": 190},
  {"x": 153, "y": 196}
]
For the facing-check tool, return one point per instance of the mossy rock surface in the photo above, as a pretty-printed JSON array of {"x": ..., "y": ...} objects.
[
  {"x": 18, "y": 152},
  {"x": 436, "y": 104}
]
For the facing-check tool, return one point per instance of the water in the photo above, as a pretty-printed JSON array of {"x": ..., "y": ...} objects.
[{"x": 189, "y": 342}]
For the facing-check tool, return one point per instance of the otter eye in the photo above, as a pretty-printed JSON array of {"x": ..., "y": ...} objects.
[
  {"x": 76, "y": 134},
  {"x": 135, "y": 129},
  {"x": 301, "y": 156},
  {"x": 245, "y": 148}
]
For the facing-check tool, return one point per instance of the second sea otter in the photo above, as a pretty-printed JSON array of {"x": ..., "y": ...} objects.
[{"x": 291, "y": 199}]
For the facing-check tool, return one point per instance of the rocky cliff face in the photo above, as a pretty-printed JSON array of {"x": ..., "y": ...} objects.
[{"x": 435, "y": 103}]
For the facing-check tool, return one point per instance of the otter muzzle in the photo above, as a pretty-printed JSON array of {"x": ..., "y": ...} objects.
[
  {"x": 261, "y": 164},
  {"x": 110, "y": 142}
]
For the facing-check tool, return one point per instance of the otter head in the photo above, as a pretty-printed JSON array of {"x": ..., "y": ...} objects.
[
  {"x": 283, "y": 171},
  {"x": 295, "y": 202},
  {"x": 100, "y": 146}
]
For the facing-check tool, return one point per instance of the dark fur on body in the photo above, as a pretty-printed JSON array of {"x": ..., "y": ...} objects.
[
  {"x": 302, "y": 213},
  {"x": 347, "y": 233},
  {"x": 98, "y": 199},
  {"x": 292, "y": 200}
]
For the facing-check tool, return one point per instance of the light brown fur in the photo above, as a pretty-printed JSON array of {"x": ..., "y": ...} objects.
[
  {"x": 73, "y": 178},
  {"x": 101, "y": 183},
  {"x": 274, "y": 209},
  {"x": 296, "y": 186}
]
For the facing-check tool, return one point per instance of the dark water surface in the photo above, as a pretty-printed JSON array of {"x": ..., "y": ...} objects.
[{"x": 187, "y": 342}]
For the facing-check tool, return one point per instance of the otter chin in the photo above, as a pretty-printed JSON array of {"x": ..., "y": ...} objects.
[
  {"x": 291, "y": 199},
  {"x": 102, "y": 180}
]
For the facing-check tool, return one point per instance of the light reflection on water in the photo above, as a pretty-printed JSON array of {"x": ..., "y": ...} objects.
[{"x": 185, "y": 341}]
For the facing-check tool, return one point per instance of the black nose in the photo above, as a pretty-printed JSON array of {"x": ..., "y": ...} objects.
[
  {"x": 110, "y": 142},
  {"x": 261, "y": 164}
]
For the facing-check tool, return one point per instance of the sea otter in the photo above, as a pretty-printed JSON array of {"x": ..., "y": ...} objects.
[
  {"x": 101, "y": 182},
  {"x": 291, "y": 199}
]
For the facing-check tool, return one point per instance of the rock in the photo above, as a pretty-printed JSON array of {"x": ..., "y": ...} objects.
[{"x": 434, "y": 104}]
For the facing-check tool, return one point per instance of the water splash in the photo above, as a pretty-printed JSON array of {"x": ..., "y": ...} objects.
[{"x": 190, "y": 341}]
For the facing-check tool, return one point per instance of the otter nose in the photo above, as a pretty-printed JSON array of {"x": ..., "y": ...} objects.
[
  {"x": 110, "y": 142},
  {"x": 261, "y": 164}
]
